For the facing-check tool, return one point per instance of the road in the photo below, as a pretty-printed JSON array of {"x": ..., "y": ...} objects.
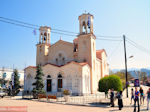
[{"x": 35, "y": 106}]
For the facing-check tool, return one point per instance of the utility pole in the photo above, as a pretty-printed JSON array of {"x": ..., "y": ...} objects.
[{"x": 125, "y": 57}]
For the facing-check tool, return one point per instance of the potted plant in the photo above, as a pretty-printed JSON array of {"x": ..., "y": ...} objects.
[{"x": 66, "y": 94}]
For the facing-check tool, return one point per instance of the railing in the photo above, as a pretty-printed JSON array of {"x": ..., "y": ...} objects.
[{"x": 86, "y": 99}]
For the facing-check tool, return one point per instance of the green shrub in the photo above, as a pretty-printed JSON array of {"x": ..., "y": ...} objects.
[{"x": 109, "y": 82}]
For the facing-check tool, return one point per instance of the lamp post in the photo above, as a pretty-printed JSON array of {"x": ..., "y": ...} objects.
[{"x": 126, "y": 72}]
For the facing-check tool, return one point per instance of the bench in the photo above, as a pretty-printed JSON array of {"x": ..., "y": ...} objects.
[
  {"x": 51, "y": 97},
  {"x": 48, "y": 97},
  {"x": 41, "y": 96}
]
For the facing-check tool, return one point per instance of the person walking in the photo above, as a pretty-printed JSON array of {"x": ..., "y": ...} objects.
[
  {"x": 112, "y": 98},
  {"x": 148, "y": 98},
  {"x": 120, "y": 102},
  {"x": 141, "y": 96},
  {"x": 132, "y": 95},
  {"x": 136, "y": 100}
]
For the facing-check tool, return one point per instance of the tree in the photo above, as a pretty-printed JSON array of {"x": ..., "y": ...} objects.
[
  {"x": 103, "y": 85},
  {"x": 143, "y": 77},
  {"x": 16, "y": 83},
  {"x": 110, "y": 82},
  {"x": 121, "y": 74},
  {"x": 39, "y": 85}
]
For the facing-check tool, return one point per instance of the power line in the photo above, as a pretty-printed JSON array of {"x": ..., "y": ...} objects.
[
  {"x": 115, "y": 49},
  {"x": 138, "y": 44},
  {"x": 57, "y": 31},
  {"x": 107, "y": 39},
  {"x": 138, "y": 47},
  {"x": 29, "y": 24},
  {"x": 33, "y": 27},
  {"x": 108, "y": 36},
  {"x": 19, "y": 21},
  {"x": 18, "y": 24}
]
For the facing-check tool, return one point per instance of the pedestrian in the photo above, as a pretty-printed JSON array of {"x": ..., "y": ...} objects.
[
  {"x": 132, "y": 95},
  {"x": 136, "y": 100},
  {"x": 148, "y": 98},
  {"x": 112, "y": 98},
  {"x": 120, "y": 102},
  {"x": 141, "y": 95}
]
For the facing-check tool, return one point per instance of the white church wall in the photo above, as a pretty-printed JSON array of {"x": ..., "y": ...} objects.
[
  {"x": 86, "y": 80},
  {"x": 71, "y": 74},
  {"x": 30, "y": 74},
  {"x": 66, "y": 50}
]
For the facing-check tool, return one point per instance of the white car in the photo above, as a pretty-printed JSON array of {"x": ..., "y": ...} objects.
[{"x": 2, "y": 94}]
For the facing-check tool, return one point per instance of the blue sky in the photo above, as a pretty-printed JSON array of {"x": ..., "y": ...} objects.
[{"x": 111, "y": 17}]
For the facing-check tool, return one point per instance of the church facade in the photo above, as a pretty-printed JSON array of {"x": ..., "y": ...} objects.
[{"x": 76, "y": 66}]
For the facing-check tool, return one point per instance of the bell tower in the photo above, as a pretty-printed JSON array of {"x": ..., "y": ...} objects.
[
  {"x": 86, "y": 23},
  {"x": 44, "y": 36},
  {"x": 43, "y": 45},
  {"x": 87, "y": 46}
]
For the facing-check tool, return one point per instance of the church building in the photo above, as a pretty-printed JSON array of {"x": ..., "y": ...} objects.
[{"x": 76, "y": 66}]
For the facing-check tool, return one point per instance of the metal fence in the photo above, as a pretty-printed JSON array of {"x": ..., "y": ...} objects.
[{"x": 86, "y": 99}]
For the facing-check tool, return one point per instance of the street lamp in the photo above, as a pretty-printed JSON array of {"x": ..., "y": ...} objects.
[
  {"x": 127, "y": 76},
  {"x": 131, "y": 56}
]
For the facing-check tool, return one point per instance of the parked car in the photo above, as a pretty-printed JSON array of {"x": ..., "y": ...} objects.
[{"x": 2, "y": 94}]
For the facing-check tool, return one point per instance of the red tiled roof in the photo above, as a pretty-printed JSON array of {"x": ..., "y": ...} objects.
[
  {"x": 30, "y": 67},
  {"x": 75, "y": 39},
  {"x": 99, "y": 53},
  {"x": 83, "y": 63}
]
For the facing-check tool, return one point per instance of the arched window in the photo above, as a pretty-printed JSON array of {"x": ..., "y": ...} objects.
[
  {"x": 59, "y": 76},
  {"x": 63, "y": 60},
  {"x": 83, "y": 26},
  {"x": 56, "y": 61},
  {"x": 60, "y": 82},
  {"x": 49, "y": 83},
  {"x": 48, "y": 76},
  {"x": 60, "y": 54}
]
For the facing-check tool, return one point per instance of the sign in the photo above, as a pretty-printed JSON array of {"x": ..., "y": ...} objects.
[{"x": 136, "y": 83}]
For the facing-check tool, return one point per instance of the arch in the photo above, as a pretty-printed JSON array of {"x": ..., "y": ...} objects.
[
  {"x": 60, "y": 58},
  {"x": 28, "y": 76},
  {"x": 83, "y": 27},
  {"x": 45, "y": 34},
  {"x": 48, "y": 76},
  {"x": 59, "y": 75}
]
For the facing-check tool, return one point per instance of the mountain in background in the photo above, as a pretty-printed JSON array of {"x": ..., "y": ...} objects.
[{"x": 134, "y": 71}]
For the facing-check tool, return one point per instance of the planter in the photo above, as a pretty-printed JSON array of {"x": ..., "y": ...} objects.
[{"x": 66, "y": 97}]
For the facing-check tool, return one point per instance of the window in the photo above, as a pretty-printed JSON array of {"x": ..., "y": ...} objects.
[
  {"x": 63, "y": 60},
  {"x": 60, "y": 55},
  {"x": 49, "y": 84},
  {"x": 48, "y": 76},
  {"x": 84, "y": 60},
  {"x": 45, "y": 36},
  {"x": 60, "y": 82},
  {"x": 56, "y": 61}
]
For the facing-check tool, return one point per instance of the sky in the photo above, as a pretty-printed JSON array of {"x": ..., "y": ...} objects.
[{"x": 113, "y": 18}]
